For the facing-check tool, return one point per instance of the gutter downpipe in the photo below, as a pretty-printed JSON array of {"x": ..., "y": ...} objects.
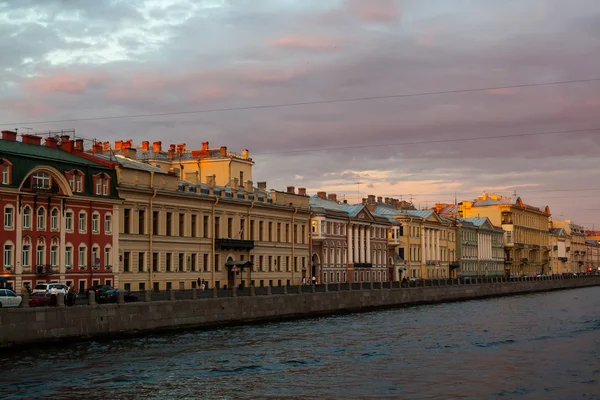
[
  {"x": 250, "y": 277},
  {"x": 151, "y": 236},
  {"x": 212, "y": 261},
  {"x": 293, "y": 242}
]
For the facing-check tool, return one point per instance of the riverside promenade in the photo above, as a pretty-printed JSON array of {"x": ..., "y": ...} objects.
[{"x": 23, "y": 326}]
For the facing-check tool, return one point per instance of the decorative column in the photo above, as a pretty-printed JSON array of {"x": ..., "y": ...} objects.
[
  {"x": 362, "y": 244},
  {"x": 368, "y": 255},
  {"x": 437, "y": 245},
  {"x": 356, "y": 258},
  {"x": 349, "y": 249}
]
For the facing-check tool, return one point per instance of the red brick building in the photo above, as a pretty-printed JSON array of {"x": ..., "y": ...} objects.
[{"x": 59, "y": 213}]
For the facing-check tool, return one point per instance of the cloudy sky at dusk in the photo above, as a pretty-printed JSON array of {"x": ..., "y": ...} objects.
[{"x": 85, "y": 59}]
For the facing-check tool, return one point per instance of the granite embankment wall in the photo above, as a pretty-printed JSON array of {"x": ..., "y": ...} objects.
[{"x": 23, "y": 326}]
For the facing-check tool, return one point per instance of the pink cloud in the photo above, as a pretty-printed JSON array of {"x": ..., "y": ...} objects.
[
  {"x": 66, "y": 82},
  {"x": 304, "y": 43},
  {"x": 208, "y": 93},
  {"x": 27, "y": 108},
  {"x": 374, "y": 10}
]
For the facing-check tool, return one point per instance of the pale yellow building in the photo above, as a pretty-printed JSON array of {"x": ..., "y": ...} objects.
[
  {"x": 426, "y": 242},
  {"x": 526, "y": 235},
  {"x": 175, "y": 233},
  {"x": 575, "y": 245}
]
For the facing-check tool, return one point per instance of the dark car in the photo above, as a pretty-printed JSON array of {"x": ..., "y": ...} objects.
[
  {"x": 112, "y": 296},
  {"x": 40, "y": 299},
  {"x": 99, "y": 289}
]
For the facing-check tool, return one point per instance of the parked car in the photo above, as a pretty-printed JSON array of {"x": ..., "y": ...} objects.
[
  {"x": 40, "y": 299},
  {"x": 8, "y": 298},
  {"x": 99, "y": 289},
  {"x": 47, "y": 287},
  {"x": 112, "y": 296}
]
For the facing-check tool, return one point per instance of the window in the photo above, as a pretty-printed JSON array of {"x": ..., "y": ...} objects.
[
  {"x": 107, "y": 256},
  {"x": 54, "y": 219},
  {"x": 126, "y": 220},
  {"x": 82, "y": 256},
  {"x": 169, "y": 224},
  {"x": 155, "y": 262},
  {"x": 194, "y": 225},
  {"x": 205, "y": 262},
  {"x": 205, "y": 226},
  {"x": 141, "y": 263},
  {"x": 96, "y": 256},
  {"x": 105, "y": 187},
  {"x": 8, "y": 255},
  {"x": 193, "y": 262},
  {"x": 82, "y": 222},
  {"x": 181, "y": 224},
  {"x": 107, "y": 224},
  {"x": 68, "y": 256},
  {"x": 5, "y": 168},
  {"x": 39, "y": 256},
  {"x": 155, "y": 216},
  {"x": 141, "y": 222},
  {"x": 26, "y": 255},
  {"x": 126, "y": 261},
  {"x": 98, "y": 186},
  {"x": 53, "y": 256},
  {"x": 8, "y": 217},
  {"x": 40, "y": 180},
  {"x": 69, "y": 221},
  {"x": 27, "y": 218},
  {"x": 96, "y": 223},
  {"x": 217, "y": 233},
  {"x": 79, "y": 183},
  {"x": 181, "y": 263},
  {"x": 168, "y": 261},
  {"x": 230, "y": 228},
  {"x": 41, "y": 219}
]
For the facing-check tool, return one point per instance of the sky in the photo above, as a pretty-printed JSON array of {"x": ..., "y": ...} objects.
[{"x": 76, "y": 59}]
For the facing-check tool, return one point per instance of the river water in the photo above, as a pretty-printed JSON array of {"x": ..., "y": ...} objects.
[{"x": 540, "y": 346}]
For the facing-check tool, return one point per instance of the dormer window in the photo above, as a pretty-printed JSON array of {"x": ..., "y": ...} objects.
[
  {"x": 76, "y": 181},
  {"x": 40, "y": 180},
  {"x": 5, "y": 170},
  {"x": 102, "y": 185}
]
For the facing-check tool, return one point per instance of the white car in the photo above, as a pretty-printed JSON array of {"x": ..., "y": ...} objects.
[
  {"x": 47, "y": 287},
  {"x": 8, "y": 298}
]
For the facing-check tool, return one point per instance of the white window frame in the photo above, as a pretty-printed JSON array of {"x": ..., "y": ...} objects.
[
  {"x": 27, "y": 217},
  {"x": 54, "y": 255},
  {"x": 26, "y": 261},
  {"x": 95, "y": 223},
  {"x": 69, "y": 256},
  {"x": 8, "y": 255},
  {"x": 9, "y": 215},
  {"x": 96, "y": 256},
  {"x": 79, "y": 183},
  {"x": 41, "y": 219},
  {"x": 105, "y": 187},
  {"x": 108, "y": 224},
  {"x": 40, "y": 252},
  {"x": 82, "y": 251},
  {"x": 107, "y": 256},
  {"x": 41, "y": 180},
  {"x": 54, "y": 219},
  {"x": 82, "y": 221},
  {"x": 5, "y": 174},
  {"x": 98, "y": 186},
  {"x": 69, "y": 221}
]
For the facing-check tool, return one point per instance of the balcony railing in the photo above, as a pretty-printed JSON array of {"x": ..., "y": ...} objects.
[
  {"x": 363, "y": 265},
  {"x": 234, "y": 244},
  {"x": 44, "y": 269}
]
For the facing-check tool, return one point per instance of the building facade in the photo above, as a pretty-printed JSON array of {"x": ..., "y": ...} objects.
[
  {"x": 349, "y": 243},
  {"x": 175, "y": 234},
  {"x": 480, "y": 248},
  {"x": 526, "y": 235},
  {"x": 59, "y": 214}
]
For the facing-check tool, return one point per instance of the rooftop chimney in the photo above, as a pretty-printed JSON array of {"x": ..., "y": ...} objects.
[
  {"x": 235, "y": 183},
  {"x": 371, "y": 199},
  {"x": 204, "y": 145},
  {"x": 79, "y": 144},
  {"x": 302, "y": 191},
  {"x": 387, "y": 200},
  {"x": 66, "y": 143},
  {"x": 245, "y": 154},
  {"x": 9, "y": 135},
  {"x": 51, "y": 142},
  {"x": 180, "y": 149},
  {"x": 118, "y": 145},
  {"x": 31, "y": 139},
  {"x": 322, "y": 195},
  {"x": 145, "y": 145},
  {"x": 332, "y": 196},
  {"x": 291, "y": 190},
  {"x": 262, "y": 185},
  {"x": 364, "y": 201},
  {"x": 97, "y": 149},
  {"x": 106, "y": 146},
  {"x": 223, "y": 151},
  {"x": 345, "y": 201},
  {"x": 130, "y": 153},
  {"x": 171, "y": 151},
  {"x": 379, "y": 199},
  {"x": 210, "y": 180},
  {"x": 249, "y": 186},
  {"x": 157, "y": 147},
  {"x": 126, "y": 145}
]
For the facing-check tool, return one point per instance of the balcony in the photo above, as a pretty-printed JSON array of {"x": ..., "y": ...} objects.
[
  {"x": 524, "y": 260},
  {"x": 234, "y": 244},
  {"x": 519, "y": 245},
  {"x": 44, "y": 270},
  {"x": 563, "y": 259},
  {"x": 507, "y": 219},
  {"x": 508, "y": 260},
  {"x": 363, "y": 265}
]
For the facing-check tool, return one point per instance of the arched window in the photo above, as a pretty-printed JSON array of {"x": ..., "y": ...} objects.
[
  {"x": 41, "y": 219},
  {"x": 82, "y": 255},
  {"x": 9, "y": 255},
  {"x": 9, "y": 214},
  {"x": 27, "y": 217},
  {"x": 5, "y": 172},
  {"x": 82, "y": 222},
  {"x": 95, "y": 222},
  {"x": 54, "y": 219}
]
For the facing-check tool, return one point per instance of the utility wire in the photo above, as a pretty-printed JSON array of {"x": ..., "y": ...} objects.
[
  {"x": 304, "y": 103},
  {"x": 514, "y": 135}
]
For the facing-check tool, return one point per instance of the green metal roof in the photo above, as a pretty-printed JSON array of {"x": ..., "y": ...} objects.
[{"x": 42, "y": 152}]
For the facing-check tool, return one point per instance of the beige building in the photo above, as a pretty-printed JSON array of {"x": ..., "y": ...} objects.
[
  {"x": 575, "y": 246},
  {"x": 175, "y": 233},
  {"x": 592, "y": 256},
  {"x": 426, "y": 242},
  {"x": 559, "y": 242},
  {"x": 526, "y": 236},
  {"x": 194, "y": 166}
]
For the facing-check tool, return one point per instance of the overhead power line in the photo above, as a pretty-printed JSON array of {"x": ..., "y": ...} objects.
[
  {"x": 305, "y": 103},
  {"x": 514, "y": 135}
]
